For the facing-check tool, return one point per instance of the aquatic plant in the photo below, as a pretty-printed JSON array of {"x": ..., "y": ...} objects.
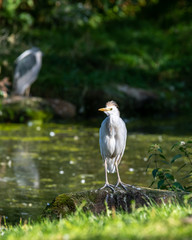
[{"x": 166, "y": 178}]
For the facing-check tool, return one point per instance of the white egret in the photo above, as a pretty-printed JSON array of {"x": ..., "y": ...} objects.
[
  {"x": 112, "y": 140},
  {"x": 27, "y": 68}
]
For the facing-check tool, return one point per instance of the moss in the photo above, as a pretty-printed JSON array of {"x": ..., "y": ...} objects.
[
  {"x": 92, "y": 195},
  {"x": 95, "y": 200},
  {"x": 60, "y": 207},
  {"x": 22, "y": 109}
]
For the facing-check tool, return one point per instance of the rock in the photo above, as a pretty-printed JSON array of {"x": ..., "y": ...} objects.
[
  {"x": 138, "y": 94},
  {"x": 62, "y": 108},
  {"x": 22, "y": 100},
  {"x": 22, "y": 109},
  {"x": 96, "y": 200},
  {"x": 132, "y": 101}
]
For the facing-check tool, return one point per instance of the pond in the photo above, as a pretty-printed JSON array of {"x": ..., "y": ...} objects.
[{"x": 38, "y": 162}]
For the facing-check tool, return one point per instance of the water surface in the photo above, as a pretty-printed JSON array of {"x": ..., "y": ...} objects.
[{"x": 38, "y": 162}]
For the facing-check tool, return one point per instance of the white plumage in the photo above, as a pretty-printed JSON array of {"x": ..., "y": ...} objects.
[{"x": 112, "y": 139}]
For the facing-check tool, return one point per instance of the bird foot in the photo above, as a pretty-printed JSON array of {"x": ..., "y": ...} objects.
[
  {"x": 109, "y": 186},
  {"x": 123, "y": 185}
]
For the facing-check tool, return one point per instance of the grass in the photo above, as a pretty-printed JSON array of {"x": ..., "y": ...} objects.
[{"x": 168, "y": 221}]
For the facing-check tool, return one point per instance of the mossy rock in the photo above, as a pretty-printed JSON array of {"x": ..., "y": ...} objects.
[
  {"x": 61, "y": 206},
  {"x": 23, "y": 109},
  {"x": 97, "y": 201}
]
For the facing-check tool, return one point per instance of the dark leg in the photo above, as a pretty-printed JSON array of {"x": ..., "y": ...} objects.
[
  {"x": 119, "y": 182},
  {"x": 27, "y": 91},
  {"x": 106, "y": 180}
]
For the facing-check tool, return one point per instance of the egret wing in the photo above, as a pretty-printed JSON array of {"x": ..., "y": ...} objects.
[
  {"x": 107, "y": 142},
  {"x": 120, "y": 139}
]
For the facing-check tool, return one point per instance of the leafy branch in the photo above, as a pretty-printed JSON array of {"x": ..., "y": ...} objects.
[{"x": 164, "y": 178}]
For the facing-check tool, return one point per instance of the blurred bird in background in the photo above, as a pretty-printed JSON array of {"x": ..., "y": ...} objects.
[
  {"x": 112, "y": 140},
  {"x": 27, "y": 68}
]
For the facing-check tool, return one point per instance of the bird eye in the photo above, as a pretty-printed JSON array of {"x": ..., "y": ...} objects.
[{"x": 111, "y": 109}]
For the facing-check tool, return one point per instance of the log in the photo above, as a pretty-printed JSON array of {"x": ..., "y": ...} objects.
[{"x": 97, "y": 200}]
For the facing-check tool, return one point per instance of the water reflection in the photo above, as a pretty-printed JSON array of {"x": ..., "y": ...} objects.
[
  {"x": 39, "y": 162},
  {"x": 24, "y": 167}
]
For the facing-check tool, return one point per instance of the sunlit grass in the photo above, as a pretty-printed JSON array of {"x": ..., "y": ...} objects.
[{"x": 168, "y": 221}]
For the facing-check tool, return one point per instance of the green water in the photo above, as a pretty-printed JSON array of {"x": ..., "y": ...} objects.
[{"x": 39, "y": 162}]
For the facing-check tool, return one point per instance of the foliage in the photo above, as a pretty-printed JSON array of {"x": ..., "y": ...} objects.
[
  {"x": 26, "y": 13},
  {"x": 170, "y": 221},
  {"x": 92, "y": 45},
  {"x": 164, "y": 177}
]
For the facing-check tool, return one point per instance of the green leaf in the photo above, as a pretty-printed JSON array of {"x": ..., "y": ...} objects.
[
  {"x": 175, "y": 145},
  {"x": 178, "y": 186},
  {"x": 169, "y": 176},
  {"x": 160, "y": 150},
  {"x": 150, "y": 156},
  {"x": 154, "y": 172},
  {"x": 182, "y": 149},
  {"x": 165, "y": 162},
  {"x": 176, "y": 157},
  {"x": 160, "y": 172},
  {"x": 187, "y": 176},
  {"x": 162, "y": 156},
  {"x": 160, "y": 183},
  {"x": 147, "y": 166},
  {"x": 182, "y": 166},
  {"x": 188, "y": 188},
  {"x": 152, "y": 184}
]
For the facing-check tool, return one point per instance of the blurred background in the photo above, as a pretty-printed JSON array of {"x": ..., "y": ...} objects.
[{"x": 136, "y": 52}]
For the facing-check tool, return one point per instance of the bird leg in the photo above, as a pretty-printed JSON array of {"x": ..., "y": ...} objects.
[
  {"x": 106, "y": 180},
  {"x": 27, "y": 91},
  {"x": 119, "y": 182}
]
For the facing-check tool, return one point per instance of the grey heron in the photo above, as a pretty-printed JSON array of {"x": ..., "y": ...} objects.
[
  {"x": 28, "y": 65},
  {"x": 112, "y": 140}
]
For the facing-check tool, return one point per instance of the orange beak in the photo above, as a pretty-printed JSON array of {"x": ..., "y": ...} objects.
[{"x": 103, "y": 109}]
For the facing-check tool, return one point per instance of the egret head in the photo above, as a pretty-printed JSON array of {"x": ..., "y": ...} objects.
[{"x": 110, "y": 109}]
